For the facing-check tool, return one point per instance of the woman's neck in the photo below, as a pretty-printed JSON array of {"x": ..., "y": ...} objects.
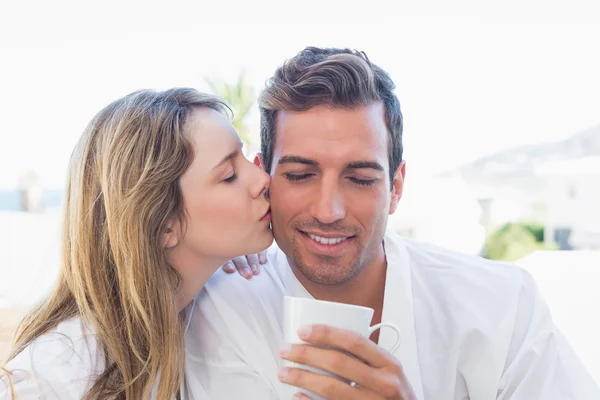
[{"x": 194, "y": 272}]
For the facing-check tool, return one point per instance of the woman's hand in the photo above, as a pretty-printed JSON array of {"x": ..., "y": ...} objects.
[{"x": 248, "y": 265}]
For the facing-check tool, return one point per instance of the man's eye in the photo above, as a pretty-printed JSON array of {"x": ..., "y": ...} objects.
[
  {"x": 297, "y": 177},
  {"x": 364, "y": 182}
]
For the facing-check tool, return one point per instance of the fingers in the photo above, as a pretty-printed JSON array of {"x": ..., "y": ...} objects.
[
  {"x": 381, "y": 375},
  {"x": 301, "y": 396},
  {"x": 228, "y": 267},
  {"x": 241, "y": 264},
  {"x": 325, "y": 386},
  {"x": 252, "y": 259},
  {"x": 336, "y": 362},
  {"x": 262, "y": 256},
  {"x": 349, "y": 341},
  {"x": 248, "y": 265}
]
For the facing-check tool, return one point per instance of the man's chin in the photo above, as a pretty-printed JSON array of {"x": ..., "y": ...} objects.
[{"x": 326, "y": 274}]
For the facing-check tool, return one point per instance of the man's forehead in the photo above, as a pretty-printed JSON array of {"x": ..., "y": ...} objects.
[
  {"x": 333, "y": 122},
  {"x": 360, "y": 133}
]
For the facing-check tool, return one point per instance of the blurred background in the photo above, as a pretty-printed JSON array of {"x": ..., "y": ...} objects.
[{"x": 501, "y": 104}]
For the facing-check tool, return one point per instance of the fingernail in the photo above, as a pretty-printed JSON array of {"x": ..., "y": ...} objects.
[
  {"x": 262, "y": 259},
  {"x": 304, "y": 332},
  {"x": 228, "y": 267},
  {"x": 284, "y": 350},
  {"x": 254, "y": 269},
  {"x": 283, "y": 373},
  {"x": 247, "y": 273}
]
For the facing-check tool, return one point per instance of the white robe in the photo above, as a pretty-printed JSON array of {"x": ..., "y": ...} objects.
[
  {"x": 60, "y": 364},
  {"x": 471, "y": 329}
]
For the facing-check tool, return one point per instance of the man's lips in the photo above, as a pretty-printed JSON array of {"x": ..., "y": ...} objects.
[
  {"x": 327, "y": 235},
  {"x": 335, "y": 244}
]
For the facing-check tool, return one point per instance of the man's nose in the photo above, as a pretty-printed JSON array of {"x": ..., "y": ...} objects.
[{"x": 329, "y": 206}]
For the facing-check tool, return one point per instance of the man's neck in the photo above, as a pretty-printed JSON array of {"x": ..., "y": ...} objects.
[{"x": 365, "y": 289}]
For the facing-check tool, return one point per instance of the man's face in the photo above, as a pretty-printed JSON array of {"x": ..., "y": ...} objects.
[{"x": 330, "y": 189}]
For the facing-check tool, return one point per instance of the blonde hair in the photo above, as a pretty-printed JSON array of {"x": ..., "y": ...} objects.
[{"x": 122, "y": 192}]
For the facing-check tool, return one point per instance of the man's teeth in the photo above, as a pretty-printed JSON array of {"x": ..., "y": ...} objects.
[{"x": 326, "y": 240}]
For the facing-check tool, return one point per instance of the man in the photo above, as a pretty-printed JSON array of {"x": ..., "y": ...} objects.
[{"x": 331, "y": 132}]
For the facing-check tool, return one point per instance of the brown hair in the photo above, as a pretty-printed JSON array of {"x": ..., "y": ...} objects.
[
  {"x": 331, "y": 77},
  {"x": 122, "y": 192}
]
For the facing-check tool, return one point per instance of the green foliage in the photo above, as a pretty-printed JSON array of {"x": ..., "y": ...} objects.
[
  {"x": 515, "y": 240},
  {"x": 537, "y": 230},
  {"x": 240, "y": 97}
]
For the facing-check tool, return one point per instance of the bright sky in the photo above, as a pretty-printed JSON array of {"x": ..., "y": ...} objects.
[{"x": 471, "y": 79}]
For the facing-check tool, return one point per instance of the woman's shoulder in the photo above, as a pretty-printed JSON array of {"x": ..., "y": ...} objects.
[{"x": 59, "y": 364}]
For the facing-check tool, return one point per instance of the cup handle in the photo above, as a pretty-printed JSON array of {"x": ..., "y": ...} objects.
[{"x": 394, "y": 328}]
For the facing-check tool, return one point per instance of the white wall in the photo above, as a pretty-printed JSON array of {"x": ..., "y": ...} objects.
[
  {"x": 29, "y": 256},
  {"x": 569, "y": 281}
]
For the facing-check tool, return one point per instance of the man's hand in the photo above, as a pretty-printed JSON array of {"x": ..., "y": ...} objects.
[
  {"x": 247, "y": 266},
  {"x": 375, "y": 374}
]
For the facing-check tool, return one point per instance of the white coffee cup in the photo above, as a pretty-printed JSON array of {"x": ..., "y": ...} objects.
[{"x": 299, "y": 312}]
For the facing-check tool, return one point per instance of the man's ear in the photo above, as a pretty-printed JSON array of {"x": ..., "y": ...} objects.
[
  {"x": 397, "y": 186},
  {"x": 171, "y": 235},
  {"x": 259, "y": 161}
]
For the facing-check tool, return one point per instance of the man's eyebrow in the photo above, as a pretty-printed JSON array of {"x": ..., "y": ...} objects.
[
  {"x": 289, "y": 159},
  {"x": 364, "y": 164}
]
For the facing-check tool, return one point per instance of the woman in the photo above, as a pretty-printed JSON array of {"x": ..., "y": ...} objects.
[{"x": 159, "y": 195}]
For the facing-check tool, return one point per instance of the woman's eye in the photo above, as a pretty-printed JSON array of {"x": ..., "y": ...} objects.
[{"x": 232, "y": 178}]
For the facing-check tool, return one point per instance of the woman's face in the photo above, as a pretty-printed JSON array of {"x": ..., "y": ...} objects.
[{"x": 227, "y": 213}]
